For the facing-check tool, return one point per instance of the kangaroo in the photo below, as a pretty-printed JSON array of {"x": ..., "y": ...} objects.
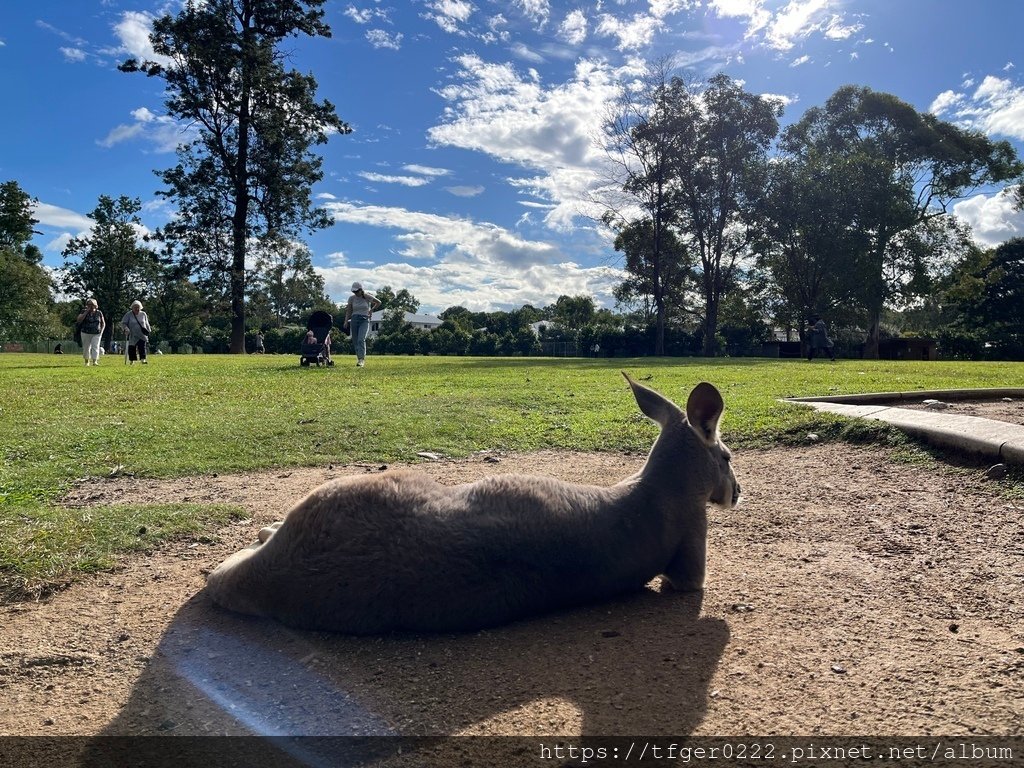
[{"x": 400, "y": 552}]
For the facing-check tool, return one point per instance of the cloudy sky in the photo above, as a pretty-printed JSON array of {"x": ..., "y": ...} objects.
[{"x": 467, "y": 176}]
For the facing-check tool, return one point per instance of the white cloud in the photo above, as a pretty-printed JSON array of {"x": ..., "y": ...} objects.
[
  {"x": 945, "y": 102},
  {"x": 478, "y": 287},
  {"x": 632, "y": 35},
  {"x": 487, "y": 243},
  {"x": 405, "y": 181},
  {"x": 74, "y": 54},
  {"x": 837, "y": 30},
  {"x": 159, "y": 131},
  {"x": 133, "y": 31},
  {"x": 996, "y": 107},
  {"x": 752, "y": 10},
  {"x": 514, "y": 118},
  {"x": 418, "y": 246},
  {"x": 992, "y": 217},
  {"x": 796, "y": 21},
  {"x": 425, "y": 170},
  {"x": 779, "y": 98},
  {"x": 464, "y": 191},
  {"x": 573, "y": 28},
  {"x": 521, "y": 51},
  {"x": 799, "y": 60},
  {"x": 359, "y": 15},
  {"x": 59, "y": 243},
  {"x": 538, "y": 11},
  {"x": 380, "y": 38},
  {"x": 61, "y": 218},
  {"x": 481, "y": 266},
  {"x": 449, "y": 15}
]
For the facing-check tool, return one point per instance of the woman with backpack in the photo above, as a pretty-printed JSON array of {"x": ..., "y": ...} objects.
[{"x": 90, "y": 323}]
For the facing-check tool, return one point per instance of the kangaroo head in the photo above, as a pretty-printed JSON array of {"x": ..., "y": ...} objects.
[{"x": 692, "y": 437}]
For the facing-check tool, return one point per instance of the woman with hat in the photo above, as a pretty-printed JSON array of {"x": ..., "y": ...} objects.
[{"x": 358, "y": 312}]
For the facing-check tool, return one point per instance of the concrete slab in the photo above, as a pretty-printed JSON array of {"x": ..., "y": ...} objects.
[{"x": 995, "y": 440}]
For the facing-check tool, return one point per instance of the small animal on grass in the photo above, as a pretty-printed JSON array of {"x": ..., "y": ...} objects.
[{"x": 400, "y": 552}]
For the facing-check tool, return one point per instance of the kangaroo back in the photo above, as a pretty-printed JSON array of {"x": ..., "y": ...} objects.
[{"x": 398, "y": 551}]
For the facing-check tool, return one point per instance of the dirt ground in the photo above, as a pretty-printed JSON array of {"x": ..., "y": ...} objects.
[
  {"x": 849, "y": 593},
  {"x": 1011, "y": 410}
]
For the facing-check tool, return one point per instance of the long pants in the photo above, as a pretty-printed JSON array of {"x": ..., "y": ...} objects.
[
  {"x": 138, "y": 349},
  {"x": 360, "y": 325},
  {"x": 91, "y": 347}
]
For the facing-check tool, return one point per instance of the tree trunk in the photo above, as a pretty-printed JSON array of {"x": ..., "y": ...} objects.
[
  {"x": 710, "y": 326},
  {"x": 659, "y": 330},
  {"x": 874, "y": 329},
  {"x": 240, "y": 219}
]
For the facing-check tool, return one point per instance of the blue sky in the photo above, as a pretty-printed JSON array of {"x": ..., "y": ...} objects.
[{"x": 468, "y": 174}]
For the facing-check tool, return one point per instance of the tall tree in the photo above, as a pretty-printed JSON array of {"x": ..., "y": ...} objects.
[
  {"x": 111, "y": 263},
  {"x": 26, "y": 298},
  {"x": 286, "y": 284},
  {"x": 647, "y": 263},
  {"x": 641, "y": 144},
  {"x": 723, "y": 134},
  {"x": 987, "y": 296},
  {"x": 573, "y": 312},
  {"x": 907, "y": 169},
  {"x": 807, "y": 239},
  {"x": 249, "y": 173}
]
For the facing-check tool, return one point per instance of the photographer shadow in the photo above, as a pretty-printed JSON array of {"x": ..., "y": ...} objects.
[{"x": 639, "y": 665}]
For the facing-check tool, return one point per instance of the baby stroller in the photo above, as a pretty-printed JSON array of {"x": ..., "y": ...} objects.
[{"x": 318, "y": 350}]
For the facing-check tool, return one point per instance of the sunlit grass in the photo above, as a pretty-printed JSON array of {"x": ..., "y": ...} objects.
[{"x": 182, "y": 415}]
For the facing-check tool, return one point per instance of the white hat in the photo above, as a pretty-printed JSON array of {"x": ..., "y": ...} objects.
[{"x": 357, "y": 287}]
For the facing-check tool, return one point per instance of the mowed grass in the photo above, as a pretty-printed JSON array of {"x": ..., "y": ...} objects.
[{"x": 187, "y": 415}]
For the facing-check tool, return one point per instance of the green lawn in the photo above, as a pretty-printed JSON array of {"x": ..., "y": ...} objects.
[{"x": 180, "y": 415}]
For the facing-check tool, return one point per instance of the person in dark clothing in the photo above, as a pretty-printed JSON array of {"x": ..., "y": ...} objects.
[{"x": 820, "y": 342}]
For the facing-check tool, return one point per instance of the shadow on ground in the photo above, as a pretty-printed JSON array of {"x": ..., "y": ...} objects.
[{"x": 639, "y": 665}]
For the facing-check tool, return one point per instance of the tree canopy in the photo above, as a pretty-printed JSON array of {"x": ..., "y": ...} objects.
[{"x": 247, "y": 171}]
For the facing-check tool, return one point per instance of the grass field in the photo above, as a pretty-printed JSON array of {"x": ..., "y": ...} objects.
[{"x": 181, "y": 415}]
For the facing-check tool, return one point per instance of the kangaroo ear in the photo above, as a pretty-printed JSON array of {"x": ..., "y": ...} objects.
[
  {"x": 703, "y": 410},
  {"x": 657, "y": 408}
]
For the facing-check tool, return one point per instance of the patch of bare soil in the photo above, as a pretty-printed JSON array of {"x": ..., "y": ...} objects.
[
  {"x": 998, "y": 410},
  {"x": 848, "y": 594}
]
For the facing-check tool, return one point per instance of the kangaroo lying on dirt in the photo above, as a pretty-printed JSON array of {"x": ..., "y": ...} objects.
[{"x": 398, "y": 551}]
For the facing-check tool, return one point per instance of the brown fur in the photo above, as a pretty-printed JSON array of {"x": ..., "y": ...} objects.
[{"x": 398, "y": 551}]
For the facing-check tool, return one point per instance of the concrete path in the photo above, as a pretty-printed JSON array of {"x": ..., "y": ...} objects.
[{"x": 996, "y": 440}]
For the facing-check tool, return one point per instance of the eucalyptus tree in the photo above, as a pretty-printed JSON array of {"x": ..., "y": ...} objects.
[
  {"x": 986, "y": 296},
  {"x": 645, "y": 266},
  {"x": 26, "y": 296},
  {"x": 904, "y": 170},
  {"x": 112, "y": 263},
  {"x": 640, "y": 145},
  {"x": 286, "y": 284},
  {"x": 723, "y": 134},
  {"x": 806, "y": 237},
  {"x": 248, "y": 169}
]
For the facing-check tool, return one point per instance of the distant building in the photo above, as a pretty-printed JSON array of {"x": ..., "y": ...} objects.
[{"x": 418, "y": 322}]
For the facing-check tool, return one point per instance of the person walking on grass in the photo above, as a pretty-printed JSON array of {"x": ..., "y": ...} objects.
[
  {"x": 91, "y": 324},
  {"x": 820, "y": 342},
  {"x": 136, "y": 324},
  {"x": 358, "y": 312}
]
